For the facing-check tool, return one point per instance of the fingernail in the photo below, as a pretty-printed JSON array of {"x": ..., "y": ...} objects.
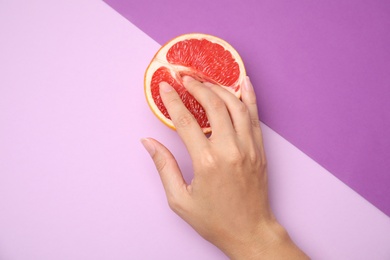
[
  {"x": 188, "y": 79},
  {"x": 165, "y": 87},
  {"x": 247, "y": 84},
  {"x": 149, "y": 147}
]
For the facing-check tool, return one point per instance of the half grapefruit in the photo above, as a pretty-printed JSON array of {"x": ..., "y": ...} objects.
[{"x": 204, "y": 57}]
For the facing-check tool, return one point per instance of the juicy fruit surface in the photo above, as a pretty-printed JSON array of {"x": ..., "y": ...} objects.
[
  {"x": 200, "y": 58},
  {"x": 210, "y": 60},
  {"x": 163, "y": 74}
]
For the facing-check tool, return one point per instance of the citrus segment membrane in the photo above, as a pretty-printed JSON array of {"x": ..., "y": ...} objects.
[
  {"x": 203, "y": 57},
  {"x": 210, "y": 60}
]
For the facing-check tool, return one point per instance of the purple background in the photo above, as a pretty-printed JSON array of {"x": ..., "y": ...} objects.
[
  {"x": 75, "y": 182},
  {"x": 321, "y": 70}
]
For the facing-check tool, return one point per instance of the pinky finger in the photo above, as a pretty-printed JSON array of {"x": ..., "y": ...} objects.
[{"x": 249, "y": 98}]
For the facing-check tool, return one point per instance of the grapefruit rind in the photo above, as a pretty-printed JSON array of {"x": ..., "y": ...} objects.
[{"x": 160, "y": 60}]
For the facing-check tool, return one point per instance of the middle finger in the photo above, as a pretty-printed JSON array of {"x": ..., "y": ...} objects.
[{"x": 216, "y": 110}]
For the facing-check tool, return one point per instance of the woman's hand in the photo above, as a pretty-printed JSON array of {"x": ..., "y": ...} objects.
[{"x": 227, "y": 200}]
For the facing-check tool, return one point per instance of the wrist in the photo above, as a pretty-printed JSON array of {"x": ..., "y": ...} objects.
[{"x": 269, "y": 241}]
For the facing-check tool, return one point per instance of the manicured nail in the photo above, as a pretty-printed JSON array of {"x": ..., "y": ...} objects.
[
  {"x": 165, "y": 87},
  {"x": 247, "y": 84},
  {"x": 188, "y": 79},
  {"x": 149, "y": 147}
]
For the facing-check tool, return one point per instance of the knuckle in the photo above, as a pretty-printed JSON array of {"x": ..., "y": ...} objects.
[
  {"x": 236, "y": 158},
  {"x": 263, "y": 162},
  {"x": 255, "y": 122},
  {"x": 258, "y": 160},
  {"x": 216, "y": 104},
  {"x": 171, "y": 101},
  {"x": 160, "y": 163},
  {"x": 253, "y": 157},
  {"x": 242, "y": 108},
  {"x": 209, "y": 161},
  {"x": 184, "y": 120}
]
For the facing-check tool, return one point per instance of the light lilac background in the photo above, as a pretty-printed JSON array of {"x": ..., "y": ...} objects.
[
  {"x": 321, "y": 70},
  {"x": 76, "y": 184}
]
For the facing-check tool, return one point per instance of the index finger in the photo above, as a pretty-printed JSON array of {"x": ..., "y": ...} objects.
[{"x": 185, "y": 123}]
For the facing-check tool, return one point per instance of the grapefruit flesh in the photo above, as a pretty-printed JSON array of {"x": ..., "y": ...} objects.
[{"x": 204, "y": 57}]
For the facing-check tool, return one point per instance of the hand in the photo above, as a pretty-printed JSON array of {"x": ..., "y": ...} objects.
[{"x": 227, "y": 200}]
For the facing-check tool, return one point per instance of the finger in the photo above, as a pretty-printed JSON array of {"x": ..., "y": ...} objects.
[
  {"x": 249, "y": 98},
  {"x": 171, "y": 177},
  {"x": 185, "y": 123},
  {"x": 238, "y": 111},
  {"x": 216, "y": 110}
]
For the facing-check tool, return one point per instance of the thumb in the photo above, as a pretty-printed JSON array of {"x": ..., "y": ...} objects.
[{"x": 166, "y": 165}]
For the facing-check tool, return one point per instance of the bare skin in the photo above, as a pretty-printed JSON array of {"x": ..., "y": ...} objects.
[{"x": 227, "y": 199}]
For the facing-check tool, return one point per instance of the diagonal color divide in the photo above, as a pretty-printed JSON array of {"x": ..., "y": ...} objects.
[
  {"x": 321, "y": 72},
  {"x": 75, "y": 183}
]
